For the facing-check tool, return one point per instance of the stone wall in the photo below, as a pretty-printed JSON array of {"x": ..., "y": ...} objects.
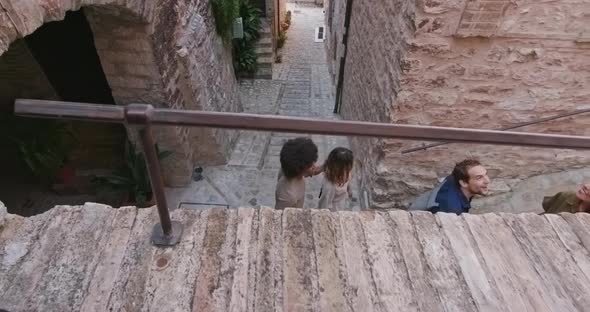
[
  {"x": 335, "y": 12},
  {"x": 163, "y": 52},
  {"x": 275, "y": 15},
  {"x": 371, "y": 73},
  {"x": 22, "y": 77},
  {"x": 481, "y": 64}
]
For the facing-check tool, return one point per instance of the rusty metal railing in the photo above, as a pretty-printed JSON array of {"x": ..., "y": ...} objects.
[
  {"x": 520, "y": 125},
  {"x": 143, "y": 116}
]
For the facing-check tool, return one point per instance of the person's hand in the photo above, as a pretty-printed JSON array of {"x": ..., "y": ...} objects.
[
  {"x": 584, "y": 193},
  {"x": 317, "y": 170}
]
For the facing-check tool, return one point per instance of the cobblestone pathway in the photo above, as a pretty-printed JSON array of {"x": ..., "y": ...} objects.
[{"x": 301, "y": 86}]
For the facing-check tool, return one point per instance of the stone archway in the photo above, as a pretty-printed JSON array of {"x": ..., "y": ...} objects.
[{"x": 163, "y": 52}]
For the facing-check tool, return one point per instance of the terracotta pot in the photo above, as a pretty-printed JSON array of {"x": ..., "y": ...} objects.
[
  {"x": 149, "y": 203},
  {"x": 66, "y": 175}
]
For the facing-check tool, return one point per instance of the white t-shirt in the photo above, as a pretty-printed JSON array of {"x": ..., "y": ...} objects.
[
  {"x": 290, "y": 193},
  {"x": 334, "y": 196}
]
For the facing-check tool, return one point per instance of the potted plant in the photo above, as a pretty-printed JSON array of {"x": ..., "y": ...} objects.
[
  {"x": 132, "y": 177},
  {"x": 43, "y": 145}
]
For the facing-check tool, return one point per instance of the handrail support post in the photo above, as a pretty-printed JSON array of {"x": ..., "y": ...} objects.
[{"x": 167, "y": 232}]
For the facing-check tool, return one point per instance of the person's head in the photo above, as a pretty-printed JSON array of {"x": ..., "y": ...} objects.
[
  {"x": 338, "y": 165},
  {"x": 472, "y": 177},
  {"x": 298, "y": 157},
  {"x": 583, "y": 193}
]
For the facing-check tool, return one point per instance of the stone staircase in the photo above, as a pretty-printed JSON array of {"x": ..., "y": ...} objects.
[{"x": 264, "y": 53}]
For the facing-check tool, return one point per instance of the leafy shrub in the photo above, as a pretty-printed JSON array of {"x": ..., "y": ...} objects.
[
  {"x": 245, "y": 58},
  {"x": 251, "y": 21},
  {"x": 43, "y": 145},
  {"x": 225, "y": 12},
  {"x": 282, "y": 38},
  {"x": 287, "y": 21},
  {"x": 132, "y": 176},
  {"x": 284, "y": 26}
]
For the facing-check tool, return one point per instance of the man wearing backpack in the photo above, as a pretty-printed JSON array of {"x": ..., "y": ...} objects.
[{"x": 454, "y": 194}]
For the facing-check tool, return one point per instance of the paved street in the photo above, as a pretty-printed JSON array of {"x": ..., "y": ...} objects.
[{"x": 301, "y": 86}]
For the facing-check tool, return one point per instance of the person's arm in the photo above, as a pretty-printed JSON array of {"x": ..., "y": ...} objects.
[
  {"x": 327, "y": 197},
  {"x": 349, "y": 190},
  {"x": 317, "y": 170}
]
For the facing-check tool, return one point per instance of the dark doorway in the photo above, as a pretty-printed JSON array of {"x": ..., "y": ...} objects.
[
  {"x": 261, "y": 4},
  {"x": 58, "y": 61},
  {"x": 65, "y": 51}
]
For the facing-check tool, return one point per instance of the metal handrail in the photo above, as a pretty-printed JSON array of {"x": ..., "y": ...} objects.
[
  {"x": 144, "y": 116},
  {"x": 520, "y": 125}
]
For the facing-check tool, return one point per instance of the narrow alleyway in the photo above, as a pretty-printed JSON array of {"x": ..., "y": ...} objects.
[{"x": 301, "y": 86}]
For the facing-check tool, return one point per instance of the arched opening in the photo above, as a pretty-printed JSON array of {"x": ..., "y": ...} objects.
[
  {"x": 66, "y": 53},
  {"x": 45, "y": 162},
  {"x": 137, "y": 52}
]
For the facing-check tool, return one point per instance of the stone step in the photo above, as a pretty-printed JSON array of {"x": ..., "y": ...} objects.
[
  {"x": 263, "y": 72},
  {"x": 264, "y": 60},
  {"x": 263, "y": 51},
  {"x": 263, "y": 41},
  {"x": 264, "y": 55}
]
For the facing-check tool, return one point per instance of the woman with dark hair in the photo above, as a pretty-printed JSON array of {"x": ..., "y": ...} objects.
[{"x": 337, "y": 176}]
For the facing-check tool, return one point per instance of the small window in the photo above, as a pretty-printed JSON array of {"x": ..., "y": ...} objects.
[{"x": 319, "y": 34}]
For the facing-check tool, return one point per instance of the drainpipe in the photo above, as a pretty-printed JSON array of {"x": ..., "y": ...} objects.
[
  {"x": 340, "y": 82},
  {"x": 277, "y": 16}
]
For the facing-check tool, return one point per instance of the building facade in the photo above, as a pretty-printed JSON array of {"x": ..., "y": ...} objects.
[{"x": 476, "y": 64}]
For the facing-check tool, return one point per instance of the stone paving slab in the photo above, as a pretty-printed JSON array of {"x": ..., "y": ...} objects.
[
  {"x": 300, "y": 45},
  {"x": 96, "y": 258}
]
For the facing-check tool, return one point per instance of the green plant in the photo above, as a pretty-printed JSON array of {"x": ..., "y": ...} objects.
[
  {"x": 282, "y": 39},
  {"x": 44, "y": 145},
  {"x": 132, "y": 176},
  {"x": 250, "y": 21},
  {"x": 225, "y": 12},
  {"x": 287, "y": 22},
  {"x": 245, "y": 57}
]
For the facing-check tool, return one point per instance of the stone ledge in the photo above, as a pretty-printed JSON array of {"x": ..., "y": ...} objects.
[{"x": 97, "y": 258}]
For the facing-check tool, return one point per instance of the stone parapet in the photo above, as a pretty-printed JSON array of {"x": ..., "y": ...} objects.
[{"x": 95, "y": 258}]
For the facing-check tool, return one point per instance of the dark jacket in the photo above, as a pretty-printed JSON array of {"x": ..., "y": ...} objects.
[
  {"x": 451, "y": 199},
  {"x": 427, "y": 200},
  {"x": 445, "y": 197},
  {"x": 561, "y": 202}
]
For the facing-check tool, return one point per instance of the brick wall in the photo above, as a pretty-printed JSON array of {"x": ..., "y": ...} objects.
[
  {"x": 22, "y": 77},
  {"x": 371, "y": 73},
  {"x": 334, "y": 21},
  {"x": 532, "y": 62}
]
